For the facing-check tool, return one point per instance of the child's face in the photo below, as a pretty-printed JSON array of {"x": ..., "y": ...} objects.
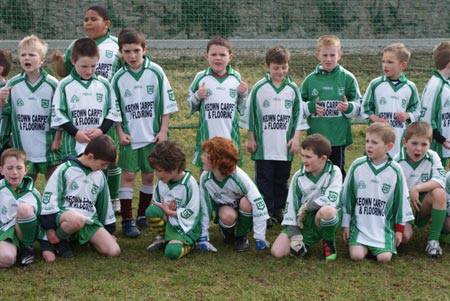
[
  {"x": 328, "y": 57},
  {"x": 30, "y": 59},
  {"x": 166, "y": 176},
  {"x": 278, "y": 71},
  {"x": 14, "y": 170},
  {"x": 416, "y": 147},
  {"x": 85, "y": 66},
  {"x": 205, "y": 161},
  {"x": 94, "y": 25},
  {"x": 98, "y": 164},
  {"x": 218, "y": 58},
  {"x": 392, "y": 67},
  {"x": 312, "y": 162},
  {"x": 133, "y": 54},
  {"x": 375, "y": 147}
]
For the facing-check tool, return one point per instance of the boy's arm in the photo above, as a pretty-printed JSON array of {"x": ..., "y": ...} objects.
[
  {"x": 242, "y": 96},
  {"x": 58, "y": 61},
  {"x": 5, "y": 124},
  {"x": 368, "y": 104},
  {"x": 57, "y": 141},
  {"x": 331, "y": 194},
  {"x": 124, "y": 139},
  {"x": 414, "y": 104},
  {"x": 162, "y": 135},
  {"x": 347, "y": 198},
  {"x": 195, "y": 97}
]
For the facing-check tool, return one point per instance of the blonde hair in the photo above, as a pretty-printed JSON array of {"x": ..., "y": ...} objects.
[
  {"x": 419, "y": 129},
  {"x": 441, "y": 55},
  {"x": 400, "y": 50},
  {"x": 328, "y": 41},
  {"x": 33, "y": 41},
  {"x": 384, "y": 130}
]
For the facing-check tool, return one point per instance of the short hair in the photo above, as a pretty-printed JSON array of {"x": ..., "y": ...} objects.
[
  {"x": 223, "y": 154},
  {"x": 219, "y": 41},
  {"x": 13, "y": 152},
  {"x": 420, "y": 129},
  {"x": 328, "y": 40},
  {"x": 278, "y": 55},
  {"x": 401, "y": 51},
  {"x": 103, "y": 148},
  {"x": 384, "y": 130},
  {"x": 5, "y": 62},
  {"x": 131, "y": 35},
  {"x": 318, "y": 144},
  {"x": 84, "y": 47},
  {"x": 103, "y": 12},
  {"x": 33, "y": 41},
  {"x": 167, "y": 156},
  {"x": 441, "y": 55}
]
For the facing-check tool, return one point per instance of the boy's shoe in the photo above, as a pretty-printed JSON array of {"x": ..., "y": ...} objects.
[
  {"x": 63, "y": 249},
  {"x": 261, "y": 244},
  {"x": 130, "y": 230},
  {"x": 116, "y": 206},
  {"x": 227, "y": 235},
  {"x": 27, "y": 256},
  {"x": 142, "y": 222},
  {"x": 445, "y": 238},
  {"x": 269, "y": 223},
  {"x": 240, "y": 244},
  {"x": 329, "y": 249},
  {"x": 158, "y": 244},
  {"x": 433, "y": 249}
]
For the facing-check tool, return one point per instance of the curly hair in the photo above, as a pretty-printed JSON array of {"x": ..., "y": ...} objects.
[
  {"x": 223, "y": 154},
  {"x": 167, "y": 156}
]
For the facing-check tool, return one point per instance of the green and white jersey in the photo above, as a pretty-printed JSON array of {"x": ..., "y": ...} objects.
[
  {"x": 185, "y": 193},
  {"x": 219, "y": 110},
  {"x": 109, "y": 61},
  {"x": 429, "y": 168},
  {"x": 316, "y": 192},
  {"x": 26, "y": 117},
  {"x": 330, "y": 88},
  {"x": 447, "y": 190},
  {"x": 85, "y": 104},
  {"x": 384, "y": 99},
  {"x": 436, "y": 109},
  {"x": 273, "y": 115},
  {"x": 76, "y": 187},
  {"x": 228, "y": 192},
  {"x": 10, "y": 199},
  {"x": 143, "y": 97},
  {"x": 374, "y": 201}
]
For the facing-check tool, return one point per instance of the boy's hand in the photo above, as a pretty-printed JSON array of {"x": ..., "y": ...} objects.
[
  {"x": 82, "y": 137},
  {"x": 94, "y": 133},
  {"x": 57, "y": 57},
  {"x": 298, "y": 248},
  {"x": 301, "y": 215},
  {"x": 294, "y": 145},
  {"x": 251, "y": 146},
  {"x": 446, "y": 144},
  {"x": 343, "y": 105},
  {"x": 56, "y": 144},
  {"x": 401, "y": 116},
  {"x": 243, "y": 87},
  {"x": 346, "y": 234},
  {"x": 320, "y": 108},
  {"x": 398, "y": 238},
  {"x": 414, "y": 199},
  {"x": 375, "y": 118},
  {"x": 124, "y": 139},
  {"x": 51, "y": 236},
  {"x": 4, "y": 93},
  {"x": 161, "y": 137},
  {"x": 202, "y": 92}
]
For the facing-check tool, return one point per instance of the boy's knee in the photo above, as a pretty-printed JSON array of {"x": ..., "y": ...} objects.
[
  {"x": 384, "y": 257},
  {"x": 228, "y": 215},
  {"x": 245, "y": 205},
  {"x": 113, "y": 251},
  {"x": 154, "y": 211},
  {"x": 173, "y": 251},
  {"x": 7, "y": 260},
  {"x": 24, "y": 210},
  {"x": 326, "y": 212}
]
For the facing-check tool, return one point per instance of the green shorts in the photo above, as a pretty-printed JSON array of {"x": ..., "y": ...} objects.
[
  {"x": 311, "y": 233},
  {"x": 374, "y": 251},
  {"x": 10, "y": 235},
  {"x": 420, "y": 222},
  {"x": 136, "y": 159},
  {"x": 171, "y": 233},
  {"x": 42, "y": 168},
  {"x": 84, "y": 235}
]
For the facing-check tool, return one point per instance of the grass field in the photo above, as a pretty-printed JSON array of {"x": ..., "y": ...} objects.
[{"x": 227, "y": 275}]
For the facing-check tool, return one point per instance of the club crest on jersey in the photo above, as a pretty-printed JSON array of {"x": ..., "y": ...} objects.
[
  {"x": 46, "y": 197},
  {"x": 314, "y": 92},
  {"x": 288, "y": 103},
  {"x": 95, "y": 189},
  {"x": 109, "y": 53},
  {"x": 217, "y": 196},
  {"x": 4, "y": 210},
  {"x": 424, "y": 177},
  {"x": 403, "y": 103},
  {"x": 127, "y": 93},
  {"x": 332, "y": 196},
  {"x": 150, "y": 89},
  {"x": 208, "y": 92},
  {"x": 260, "y": 204},
  {"x": 20, "y": 102},
  {"x": 385, "y": 188},
  {"x": 383, "y": 101},
  {"x": 362, "y": 185},
  {"x": 45, "y": 103},
  {"x": 74, "y": 99},
  {"x": 99, "y": 97},
  {"x": 73, "y": 186},
  {"x": 341, "y": 91},
  {"x": 447, "y": 102},
  {"x": 233, "y": 93},
  {"x": 441, "y": 171},
  {"x": 266, "y": 103},
  {"x": 171, "y": 95},
  {"x": 186, "y": 213},
  {"x": 423, "y": 111}
]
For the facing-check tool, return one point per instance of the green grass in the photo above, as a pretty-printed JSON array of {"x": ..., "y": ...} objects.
[{"x": 227, "y": 275}]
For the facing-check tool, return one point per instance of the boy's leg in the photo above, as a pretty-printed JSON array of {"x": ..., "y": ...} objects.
[
  {"x": 337, "y": 156},
  {"x": 329, "y": 222},
  {"x": 156, "y": 218},
  {"x": 227, "y": 222},
  {"x": 27, "y": 232},
  {"x": 245, "y": 223},
  {"x": 358, "y": 252},
  {"x": 176, "y": 249},
  {"x": 105, "y": 243},
  {"x": 114, "y": 175},
  {"x": 281, "y": 188},
  {"x": 384, "y": 257},
  {"x": 281, "y": 246},
  {"x": 126, "y": 198},
  {"x": 435, "y": 205},
  {"x": 264, "y": 178},
  {"x": 145, "y": 198},
  {"x": 8, "y": 254}
]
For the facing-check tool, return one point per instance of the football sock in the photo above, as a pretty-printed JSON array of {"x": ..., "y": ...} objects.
[
  {"x": 145, "y": 198},
  {"x": 155, "y": 217},
  {"x": 329, "y": 228},
  {"x": 114, "y": 173},
  {"x": 126, "y": 210},
  {"x": 437, "y": 222},
  {"x": 245, "y": 223},
  {"x": 29, "y": 227}
]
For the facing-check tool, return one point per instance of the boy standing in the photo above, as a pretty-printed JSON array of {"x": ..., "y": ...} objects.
[
  {"x": 312, "y": 204},
  {"x": 218, "y": 94},
  {"x": 273, "y": 119},
  {"x": 331, "y": 98},
  {"x": 175, "y": 213},
  {"x": 435, "y": 102},
  {"x": 20, "y": 203},
  {"x": 146, "y": 101},
  {"x": 375, "y": 199},
  {"x": 425, "y": 177},
  {"x": 392, "y": 98}
]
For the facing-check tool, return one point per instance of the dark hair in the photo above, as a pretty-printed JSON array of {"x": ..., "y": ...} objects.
[
  {"x": 277, "y": 55},
  {"x": 84, "y": 47},
  {"x": 103, "y": 148},
  {"x": 5, "y": 61},
  {"x": 103, "y": 12},
  {"x": 220, "y": 41},
  {"x": 318, "y": 144},
  {"x": 13, "y": 152},
  {"x": 167, "y": 156},
  {"x": 131, "y": 35},
  {"x": 441, "y": 55}
]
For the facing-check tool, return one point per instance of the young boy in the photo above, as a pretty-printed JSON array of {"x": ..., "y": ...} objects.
[
  {"x": 76, "y": 203},
  {"x": 435, "y": 105},
  {"x": 273, "y": 119},
  {"x": 146, "y": 101},
  {"x": 331, "y": 98},
  {"x": 425, "y": 177},
  {"x": 312, "y": 204},
  {"x": 392, "y": 98},
  {"x": 26, "y": 115},
  {"x": 20, "y": 203},
  {"x": 232, "y": 195},
  {"x": 5, "y": 66},
  {"x": 218, "y": 94},
  {"x": 84, "y": 105},
  {"x": 375, "y": 202},
  {"x": 175, "y": 213}
]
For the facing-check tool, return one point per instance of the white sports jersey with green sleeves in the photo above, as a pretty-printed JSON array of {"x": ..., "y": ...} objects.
[
  {"x": 109, "y": 61},
  {"x": 229, "y": 191},
  {"x": 26, "y": 116},
  {"x": 185, "y": 193},
  {"x": 374, "y": 201},
  {"x": 143, "y": 97},
  {"x": 85, "y": 104},
  {"x": 76, "y": 187},
  {"x": 436, "y": 109},
  {"x": 10, "y": 199},
  {"x": 218, "y": 111},
  {"x": 429, "y": 168},
  {"x": 319, "y": 191},
  {"x": 273, "y": 115},
  {"x": 385, "y": 99},
  {"x": 330, "y": 88}
]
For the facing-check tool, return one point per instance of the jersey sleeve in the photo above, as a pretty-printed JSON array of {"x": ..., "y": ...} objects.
[
  {"x": 193, "y": 101},
  {"x": 206, "y": 206},
  {"x": 353, "y": 97},
  {"x": 60, "y": 111},
  {"x": 348, "y": 197},
  {"x": 293, "y": 202},
  {"x": 103, "y": 205},
  {"x": 332, "y": 192},
  {"x": 413, "y": 106},
  {"x": 368, "y": 102},
  {"x": 438, "y": 171},
  {"x": 430, "y": 103},
  {"x": 189, "y": 214},
  {"x": 113, "y": 110},
  {"x": 53, "y": 192},
  {"x": 403, "y": 212}
]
